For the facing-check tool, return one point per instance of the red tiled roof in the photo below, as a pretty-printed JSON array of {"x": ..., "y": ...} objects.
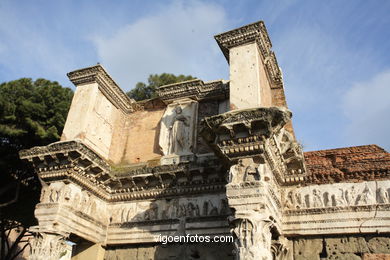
[{"x": 358, "y": 163}]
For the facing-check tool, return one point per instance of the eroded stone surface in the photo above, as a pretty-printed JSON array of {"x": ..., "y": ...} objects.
[
  {"x": 343, "y": 248},
  {"x": 172, "y": 252}
]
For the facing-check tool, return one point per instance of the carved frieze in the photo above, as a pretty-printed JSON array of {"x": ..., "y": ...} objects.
[
  {"x": 71, "y": 196},
  {"x": 337, "y": 208},
  {"x": 170, "y": 209},
  {"x": 336, "y": 195}
]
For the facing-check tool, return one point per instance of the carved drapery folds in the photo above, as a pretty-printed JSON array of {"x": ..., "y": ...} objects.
[
  {"x": 177, "y": 133},
  {"x": 257, "y": 133},
  {"x": 47, "y": 246}
]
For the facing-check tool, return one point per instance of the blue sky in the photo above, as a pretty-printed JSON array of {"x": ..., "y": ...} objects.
[{"x": 335, "y": 55}]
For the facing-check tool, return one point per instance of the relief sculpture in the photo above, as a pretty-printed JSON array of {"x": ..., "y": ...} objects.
[
  {"x": 383, "y": 196},
  {"x": 366, "y": 197},
  {"x": 178, "y": 132},
  {"x": 337, "y": 195},
  {"x": 350, "y": 196},
  {"x": 177, "y": 128},
  {"x": 174, "y": 209},
  {"x": 246, "y": 171}
]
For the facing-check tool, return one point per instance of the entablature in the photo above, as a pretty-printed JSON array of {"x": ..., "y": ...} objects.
[
  {"x": 73, "y": 161},
  {"x": 257, "y": 132}
]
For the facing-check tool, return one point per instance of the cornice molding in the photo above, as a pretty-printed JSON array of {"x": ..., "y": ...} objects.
[
  {"x": 246, "y": 133},
  {"x": 111, "y": 90},
  {"x": 75, "y": 162},
  {"x": 195, "y": 89},
  {"x": 253, "y": 33}
]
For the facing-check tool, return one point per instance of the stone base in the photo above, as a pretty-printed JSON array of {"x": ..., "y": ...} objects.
[{"x": 176, "y": 159}]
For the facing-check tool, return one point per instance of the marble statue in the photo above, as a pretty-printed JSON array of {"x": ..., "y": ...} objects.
[{"x": 178, "y": 132}]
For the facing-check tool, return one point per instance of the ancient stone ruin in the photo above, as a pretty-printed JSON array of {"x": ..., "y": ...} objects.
[{"x": 205, "y": 158}]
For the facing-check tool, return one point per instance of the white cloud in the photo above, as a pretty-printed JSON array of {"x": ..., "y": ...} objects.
[
  {"x": 178, "y": 39},
  {"x": 367, "y": 106}
]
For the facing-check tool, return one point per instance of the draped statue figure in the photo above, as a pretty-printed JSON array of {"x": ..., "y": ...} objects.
[{"x": 178, "y": 132}]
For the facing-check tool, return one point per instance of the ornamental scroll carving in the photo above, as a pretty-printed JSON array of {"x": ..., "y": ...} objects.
[{"x": 177, "y": 133}]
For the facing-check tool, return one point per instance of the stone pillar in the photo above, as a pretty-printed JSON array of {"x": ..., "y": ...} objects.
[
  {"x": 249, "y": 86},
  {"x": 97, "y": 104},
  {"x": 251, "y": 224},
  {"x": 247, "y": 50},
  {"x": 47, "y": 246},
  {"x": 257, "y": 148}
]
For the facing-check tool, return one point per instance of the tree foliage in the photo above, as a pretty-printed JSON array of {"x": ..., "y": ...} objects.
[
  {"x": 143, "y": 91},
  {"x": 32, "y": 113}
]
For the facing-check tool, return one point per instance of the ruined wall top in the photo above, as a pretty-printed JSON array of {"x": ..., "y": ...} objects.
[
  {"x": 97, "y": 74},
  {"x": 195, "y": 89},
  {"x": 254, "y": 32}
]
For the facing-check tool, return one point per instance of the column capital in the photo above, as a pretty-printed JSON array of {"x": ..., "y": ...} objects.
[{"x": 47, "y": 246}]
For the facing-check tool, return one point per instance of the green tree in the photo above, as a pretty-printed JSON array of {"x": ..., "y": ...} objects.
[
  {"x": 32, "y": 113},
  {"x": 143, "y": 91}
]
